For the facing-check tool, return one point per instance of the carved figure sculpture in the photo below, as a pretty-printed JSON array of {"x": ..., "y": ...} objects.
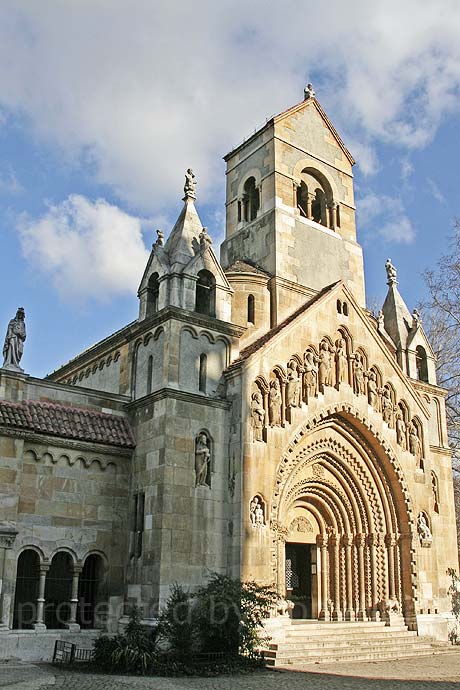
[
  {"x": 324, "y": 366},
  {"x": 190, "y": 184},
  {"x": 392, "y": 605},
  {"x": 387, "y": 407},
  {"x": 380, "y": 321},
  {"x": 423, "y": 530},
  {"x": 257, "y": 415},
  {"x": 372, "y": 389},
  {"x": 401, "y": 431},
  {"x": 160, "y": 240},
  {"x": 308, "y": 92},
  {"x": 13, "y": 348},
  {"x": 311, "y": 374},
  {"x": 202, "y": 459},
  {"x": 415, "y": 444},
  {"x": 416, "y": 320},
  {"x": 256, "y": 513},
  {"x": 392, "y": 274},
  {"x": 341, "y": 361},
  {"x": 293, "y": 385},
  {"x": 205, "y": 239},
  {"x": 359, "y": 383},
  {"x": 274, "y": 403}
]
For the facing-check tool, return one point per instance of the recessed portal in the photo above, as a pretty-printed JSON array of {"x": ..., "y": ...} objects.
[{"x": 298, "y": 579}]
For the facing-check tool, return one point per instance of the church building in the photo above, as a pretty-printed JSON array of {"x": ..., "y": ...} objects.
[{"x": 255, "y": 419}]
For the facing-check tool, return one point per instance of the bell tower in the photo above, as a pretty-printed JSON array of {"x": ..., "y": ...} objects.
[{"x": 290, "y": 208}]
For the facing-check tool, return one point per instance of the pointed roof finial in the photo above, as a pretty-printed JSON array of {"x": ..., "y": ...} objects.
[
  {"x": 308, "y": 92},
  {"x": 159, "y": 242},
  {"x": 190, "y": 185},
  {"x": 391, "y": 273}
]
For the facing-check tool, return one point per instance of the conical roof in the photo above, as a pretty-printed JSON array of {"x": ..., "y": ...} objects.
[
  {"x": 398, "y": 319},
  {"x": 184, "y": 236}
]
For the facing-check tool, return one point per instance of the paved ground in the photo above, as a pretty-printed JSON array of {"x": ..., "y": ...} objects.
[{"x": 437, "y": 672}]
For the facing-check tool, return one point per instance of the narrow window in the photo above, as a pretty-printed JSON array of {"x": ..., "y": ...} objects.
[
  {"x": 302, "y": 199},
  {"x": 345, "y": 309},
  {"x": 435, "y": 489},
  {"x": 138, "y": 522},
  {"x": 339, "y": 306},
  {"x": 421, "y": 364},
  {"x": 239, "y": 211},
  {"x": 153, "y": 292},
  {"x": 149, "y": 374},
  {"x": 251, "y": 199},
  {"x": 203, "y": 373},
  {"x": 338, "y": 215},
  {"x": 205, "y": 293},
  {"x": 251, "y": 318}
]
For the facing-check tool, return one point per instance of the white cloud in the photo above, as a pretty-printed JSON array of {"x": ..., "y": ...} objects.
[
  {"x": 385, "y": 217},
  {"x": 9, "y": 183},
  {"x": 435, "y": 191},
  {"x": 91, "y": 250},
  {"x": 407, "y": 168},
  {"x": 144, "y": 90}
]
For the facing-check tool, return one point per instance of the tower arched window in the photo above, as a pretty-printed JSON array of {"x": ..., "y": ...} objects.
[
  {"x": 251, "y": 199},
  {"x": 205, "y": 293},
  {"x": 153, "y": 292},
  {"x": 149, "y": 374},
  {"x": 421, "y": 364},
  {"x": 203, "y": 373},
  {"x": 302, "y": 199},
  {"x": 318, "y": 207},
  {"x": 251, "y": 309}
]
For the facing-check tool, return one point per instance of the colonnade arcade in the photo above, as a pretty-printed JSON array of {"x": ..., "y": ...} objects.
[
  {"x": 60, "y": 592},
  {"x": 339, "y": 493}
]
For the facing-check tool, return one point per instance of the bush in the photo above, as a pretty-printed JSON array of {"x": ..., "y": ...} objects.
[
  {"x": 176, "y": 629},
  {"x": 454, "y": 593}
]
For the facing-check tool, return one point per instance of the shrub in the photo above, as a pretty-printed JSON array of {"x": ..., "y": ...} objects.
[
  {"x": 176, "y": 630},
  {"x": 454, "y": 593}
]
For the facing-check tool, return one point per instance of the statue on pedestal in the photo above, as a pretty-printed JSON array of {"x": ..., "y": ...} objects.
[{"x": 14, "y": 342}]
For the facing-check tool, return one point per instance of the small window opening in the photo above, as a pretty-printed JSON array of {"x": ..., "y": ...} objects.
[
  {"x": 203, "y": 373},
  {"x": 138, "y": 523},
  {"x": 421, "y": 364},
  {"x": 251, "y": 317},
  {"x": 339, "y": 306},
  {"x": 338, "y": 215},
  {"x": 153, "y": 292},
  {"x": 205, "y": 293},
  {"x": 345, "y": 309},
  {"x": 149, "y": 374},
  {"x": 302, "y": 199},
  {"x": 251, "y": 199},
  {"x": 239, "y": 211}
]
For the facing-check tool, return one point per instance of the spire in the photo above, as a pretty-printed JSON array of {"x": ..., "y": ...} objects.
[
  {"x": 398, "y": 319},
  {"x": 184, "y": 238}
]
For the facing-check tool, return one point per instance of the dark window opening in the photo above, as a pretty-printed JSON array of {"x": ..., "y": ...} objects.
[
  {"x": 318, "y": 207},
  {"x": 149, "y": 374},
  {"x": 89, "y": 594},
  {"x": 345, "y": 309},
  {"x": 338, "y": 215},
  {"x": 58, "y": 591},
  {"x": 421, "y": 364},
  {"x": 251, "y": 309},
  {"x": 251, "y": 199},
  {"x": 205, "y": 293},
  {"x": 153, "y": 292},
  {"x": 138, "y": 523},
  {"x": 26, "y": 594},
  {"x": 339, "y": 306},
  {"x": 302, "y": 199},
  {"x": 203, "y": 373},
  {"x": 239, "y": 211}
]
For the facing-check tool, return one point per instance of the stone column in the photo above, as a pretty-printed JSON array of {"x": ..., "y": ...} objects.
[
  {"x": 321, "y": 541},
  {"x": 390, "y": 542},
  {"x": 283, "y": 402},
  {"x": 40, "y": 623},
  {"x": 372, "y": 542},
  {"x": 332, "y": 215},
  {"x": 72, "y": 623},
  {"x": 348, "y": 544},
  {"x": 309, "y": 202},
  {"x": 8, "y": 534},
  {"x": 360, "y": 543},
  {"x": 334, "y": 542}
]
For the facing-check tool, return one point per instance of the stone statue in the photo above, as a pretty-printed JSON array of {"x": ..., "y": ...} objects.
[
  {"x": 392, "y": 605},
  {"x": 256, "y": 513},
  {"x": 308, "y": 92},
  {"x": 274, "y": 403},
  {"x": 205, "y": 239},
  {"x": 416, "y": 320},
  {"x": 14, "y": 342},
  {"x": 324, "y": 366},
  {"x": 372, "y": 390},
  {"x": 381, "y": 321},
  {"x": 311, "y": 374},
  {"x": 293, "y": 385},
  {"x": 423, "y": 530},
  {"x": 257, "y": 415},
  {"x": 359, "y": 382},
  {"x": 415, "y": 445},
  {"x": 401, "y": 431},
  {"x": 341, "y": 361},
  {"x": 391, "y": 273},
  {"x": 159, "y": 242},
  {"x": 387, "y": 407},
  {"x": 202, "y": 460},
  {"x": 190, "y": 184}
]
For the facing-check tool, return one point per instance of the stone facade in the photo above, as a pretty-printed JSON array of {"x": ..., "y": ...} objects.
[{"x": 255, "y": 420}]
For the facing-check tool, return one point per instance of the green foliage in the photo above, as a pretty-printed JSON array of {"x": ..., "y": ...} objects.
[
  {"x": 176, "y": 629},
  {"x": 454, "y": 593}
]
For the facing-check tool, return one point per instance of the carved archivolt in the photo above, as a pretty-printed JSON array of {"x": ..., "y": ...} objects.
[
  {"x": 98, "y": 364},
  {"x": 301, "y": 524}
]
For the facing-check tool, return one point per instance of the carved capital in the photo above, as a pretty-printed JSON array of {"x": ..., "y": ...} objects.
[
  {"x": 390, "y": 540},
  {"x": 321, "y": 540},
  {"x": 360, "y": 540},
  {"x": 8, "y": 533},
  {"x": 280, "y": 530},
  {"x": 347, "y": 540}
]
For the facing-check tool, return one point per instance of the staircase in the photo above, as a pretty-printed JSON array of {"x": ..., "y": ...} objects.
[{"x": 312, "y": 642}]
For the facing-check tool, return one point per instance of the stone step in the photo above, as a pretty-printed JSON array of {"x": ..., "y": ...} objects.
[
  {"x": 355, "y": 642},
  {"x": 368, "y": 655},
  {"x": 345, "y": 651},
  {"x": 349, "y": 632}
]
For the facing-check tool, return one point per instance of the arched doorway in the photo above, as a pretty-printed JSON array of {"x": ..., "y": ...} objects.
[
  {"x": 58, "y": 591},
  {"x": 338, "y": 482},
  {"x": 90, "y": 592},
  {"x": 26, "y": 592}
]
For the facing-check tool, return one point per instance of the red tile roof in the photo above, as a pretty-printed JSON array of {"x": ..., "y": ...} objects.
[{"x": 67, "y": 422}]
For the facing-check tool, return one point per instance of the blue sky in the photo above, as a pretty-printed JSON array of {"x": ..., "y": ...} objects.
[{"x": 103, "y": 107}]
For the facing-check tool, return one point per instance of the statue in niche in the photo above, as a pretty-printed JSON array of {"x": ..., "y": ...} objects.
[
  {"x": 202, "y": 460},
  {"x": 256, "y": 513},
  {"x": 205, "y": 239},
  {"x": 257, "y": 415},
  {"x": 387, "y": 407},
  {"x": 415, "y": 444},
  {"x": 341, "y": 361},
  {"x": 274, "y": 403},
  {"x": 311, "y": 374},
  {"x": 392, "y": 274},
  {"x": 401, "y": 431},
  {"x": 372, "y": 390},
  {"x": 324, "y": 366},
  {"x": 190, "y": 184},
  {"x": 359, "y": 382},
  {"x": 13, "y": 348},
  {"x": 293, "y": 385},
  {"x": 423, "y": 530}
]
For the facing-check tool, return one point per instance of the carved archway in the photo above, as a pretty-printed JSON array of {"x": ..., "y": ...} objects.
[{"x": 340, "y": 473}]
